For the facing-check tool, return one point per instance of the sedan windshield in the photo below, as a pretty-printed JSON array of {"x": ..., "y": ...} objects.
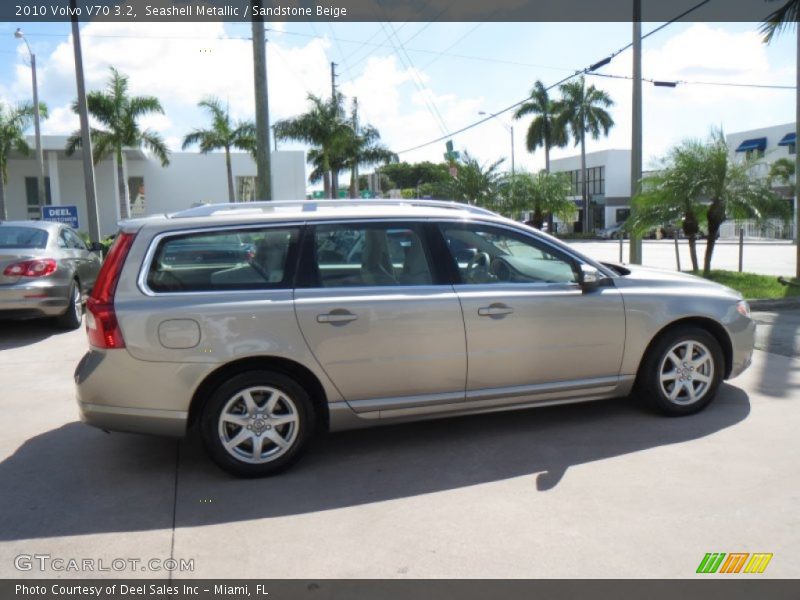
[{"x": 22, "y": 237}]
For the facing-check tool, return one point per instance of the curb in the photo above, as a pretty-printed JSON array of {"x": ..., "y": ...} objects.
[{"x": 772, "y": 304}]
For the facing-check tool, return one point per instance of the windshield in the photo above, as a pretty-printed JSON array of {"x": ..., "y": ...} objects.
[{"x": 22, "y": 237}]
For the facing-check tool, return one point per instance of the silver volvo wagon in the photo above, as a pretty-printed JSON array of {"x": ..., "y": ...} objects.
[{"x": 262, "y": 323}]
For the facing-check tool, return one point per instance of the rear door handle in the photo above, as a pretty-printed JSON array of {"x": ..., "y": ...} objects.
[
  {"x": 336, "y": 317},
  {"x": 495, "y": 310}
]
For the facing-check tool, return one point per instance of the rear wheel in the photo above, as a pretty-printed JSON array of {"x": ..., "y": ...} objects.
[
  {"x": 73, "y": 316},
  {"x": 257, "y": 423},
  {"x": 682, "y": 371}
]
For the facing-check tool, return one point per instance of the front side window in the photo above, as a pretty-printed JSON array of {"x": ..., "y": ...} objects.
[
  {"x": 248, "y": 259},
  {"x": 490, "y": 255},
  {"x": 355, "y": 255}
]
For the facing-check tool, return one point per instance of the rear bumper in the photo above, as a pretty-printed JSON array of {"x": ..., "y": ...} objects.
[
  {"x": 117, "y": 392},
  {"x": 34, "y": 299}
]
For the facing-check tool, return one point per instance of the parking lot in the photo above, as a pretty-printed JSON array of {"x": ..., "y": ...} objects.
[{"x": 595, "y": 490}]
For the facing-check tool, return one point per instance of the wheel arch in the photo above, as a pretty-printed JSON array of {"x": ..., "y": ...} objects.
[
  {"x": 710, "y": 325},
  {"x": 301, "y": 374}
]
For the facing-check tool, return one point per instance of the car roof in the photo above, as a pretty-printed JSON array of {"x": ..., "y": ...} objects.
[
  {"x": 45, "y": 225},
  {"x": 214, "y": 215}
]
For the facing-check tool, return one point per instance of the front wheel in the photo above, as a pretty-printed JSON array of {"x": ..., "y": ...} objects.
[
  {"x": 257, "y": 423},
  {"x": 682, "y": 371}
]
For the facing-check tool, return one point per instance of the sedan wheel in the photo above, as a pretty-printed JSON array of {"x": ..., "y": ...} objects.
[
  {"x": 682, "y": 370},
  {"x": 73, "y": 316},
  {"x": 257, "y": 423}
]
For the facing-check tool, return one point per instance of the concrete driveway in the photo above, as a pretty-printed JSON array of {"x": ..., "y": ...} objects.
[{"x": 593, "y": 490}]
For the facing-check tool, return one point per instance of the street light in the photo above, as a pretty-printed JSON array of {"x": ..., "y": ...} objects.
[
  {"x": 39, "y": 154},
  {"x": 510, "y": 129}
]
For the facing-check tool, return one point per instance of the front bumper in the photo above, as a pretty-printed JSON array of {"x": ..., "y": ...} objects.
[
  {"x": 33, "y": 299},
  {"x": 743, "y": 341}
]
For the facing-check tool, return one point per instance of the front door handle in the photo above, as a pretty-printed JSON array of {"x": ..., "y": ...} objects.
[
  {"x": 494, "y": 310},
  {"x": 336, "y": 317}
]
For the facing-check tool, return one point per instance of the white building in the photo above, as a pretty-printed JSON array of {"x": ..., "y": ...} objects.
[
  {"x": 608, "y": 177},
  {"x": 189, "y": 179}
]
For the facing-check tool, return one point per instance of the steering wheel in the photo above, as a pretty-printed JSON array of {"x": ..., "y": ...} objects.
[{"x": 478, "y": 267}]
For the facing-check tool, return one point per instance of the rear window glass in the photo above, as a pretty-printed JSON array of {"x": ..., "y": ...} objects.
[
  {"x": 12, "y": 236},
  {"x": 241, "y": 260}
]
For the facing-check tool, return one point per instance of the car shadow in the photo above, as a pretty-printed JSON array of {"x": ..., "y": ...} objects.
[
  {"x": 76, "y": 480},
  {"x": 15, "y": 334}
]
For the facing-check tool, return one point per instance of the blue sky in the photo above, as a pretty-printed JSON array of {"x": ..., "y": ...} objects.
[{"x": 416, "y": 81}]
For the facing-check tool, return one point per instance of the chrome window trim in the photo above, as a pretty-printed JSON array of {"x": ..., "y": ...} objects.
[{"x": 141, "y": 279}]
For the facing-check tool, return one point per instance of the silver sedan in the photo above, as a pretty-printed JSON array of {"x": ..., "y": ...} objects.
[{"x": 46, "y": 270}]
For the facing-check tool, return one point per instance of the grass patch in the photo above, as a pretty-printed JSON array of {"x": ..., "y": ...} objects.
[{"x": 754, "y": 286}]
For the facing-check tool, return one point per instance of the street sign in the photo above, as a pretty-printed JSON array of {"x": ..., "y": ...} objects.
[{"x": 61, "y": 214}]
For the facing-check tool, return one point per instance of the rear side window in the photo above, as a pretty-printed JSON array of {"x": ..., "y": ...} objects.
[
  {"x": 12, "y": 236},
  {"x": 249, "y": 259},
  {"x": 367, "y": 255}
]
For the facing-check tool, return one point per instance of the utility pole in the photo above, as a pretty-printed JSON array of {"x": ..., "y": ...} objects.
[
  {"x": 86, "y": 138},
  {"x": 797, "y": 158},
  {"x": 40, "y": 187},
  {"x": 636, "y": 138},
  {"x": 264, "y": 174},
  {"x": 354, "y": 173},
  {"x": 333, "y": 81}
]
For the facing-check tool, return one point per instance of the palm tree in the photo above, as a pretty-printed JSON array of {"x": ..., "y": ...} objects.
[
  {"x": 674, "y": 194},
  {"x": 14, "y": 120},
  {"x": 542, "y": 194},
  {"x": 544, "y": 131},
  {"x": 699, "y": 180},
  {"x": 783, "y": 18},
  {"x": 324, "y": 128},
  {"x": 365, "y": 150},
  {"x": 582, "y": 110},
  {"x": 476, "y": 183},
  {"x": 119, "y": 113},
  {"x": 223, "y": 135}
]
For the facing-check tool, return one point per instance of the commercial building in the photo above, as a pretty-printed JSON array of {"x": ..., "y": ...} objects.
[
  {"x": 608, "y": 178},
  {"x": 189, "y": 179}
]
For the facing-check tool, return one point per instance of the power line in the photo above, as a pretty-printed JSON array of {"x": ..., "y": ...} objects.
[
  {"x": 668, "y": 83},
  {"x": 585, "y": 71}
]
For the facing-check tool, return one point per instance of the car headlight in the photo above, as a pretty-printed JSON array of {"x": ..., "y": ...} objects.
[{"x": 744, "y": 308}]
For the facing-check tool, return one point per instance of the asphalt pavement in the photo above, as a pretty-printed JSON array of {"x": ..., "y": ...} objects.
[{"x": 601, "y": 489}]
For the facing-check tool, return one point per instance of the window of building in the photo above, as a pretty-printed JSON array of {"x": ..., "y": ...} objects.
[
  {"x": 32, "y": 196},
  {"x": 754, "y": 154},
  {"x": 792, "y": 148},
  {"x": 595, "y": 181},
  {"x": 136, "y": 193},
  {"x": 246, "y": 187},
  {"x": 623, "y": 214}
]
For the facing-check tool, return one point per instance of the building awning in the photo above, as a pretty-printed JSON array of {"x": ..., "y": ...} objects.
[
  {"x": 754, "y": 144},
  {"x": 788, "y": 140}
]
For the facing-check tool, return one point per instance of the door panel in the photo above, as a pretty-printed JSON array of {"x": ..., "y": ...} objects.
[
  {"x": 385, "y": 331},
  {"x": 528, "y": 322}
]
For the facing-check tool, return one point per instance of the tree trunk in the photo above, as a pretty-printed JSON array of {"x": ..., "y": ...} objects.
[
  {"x": 3, "y": 215},
  {"x": 538, "y": 218},
  {"x": 584, "y": 188},
  {"x": 122, "y": 185},
  {"x": 354, "y": 181},
  {"x": 693, "y": 253},
  {"x": 229, "y": 169},
  {"x": 546, "y": 157},
  {"x": 334, "y": 184},
  {"x": 716, "y": 216}
]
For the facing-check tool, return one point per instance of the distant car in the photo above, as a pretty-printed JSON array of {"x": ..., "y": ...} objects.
[
  {"x": 613, "y": 232},
  {"x": 46, "y": 270}
]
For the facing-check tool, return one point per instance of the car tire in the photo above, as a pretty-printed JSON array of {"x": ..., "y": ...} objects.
[
  {"x": 257, "y": 423},
  {"x": 73, "y": 316},
  {"x": 682, "y": 371}
]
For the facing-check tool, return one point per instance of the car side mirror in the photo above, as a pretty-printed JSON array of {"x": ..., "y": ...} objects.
[
  {"x": 96, "y": 247},
  {"x": 589, "y": 277}
]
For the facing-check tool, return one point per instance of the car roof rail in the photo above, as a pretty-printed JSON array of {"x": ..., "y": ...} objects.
[{"x": 207, "y": 210}]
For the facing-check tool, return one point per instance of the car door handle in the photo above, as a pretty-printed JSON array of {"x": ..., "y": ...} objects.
[
  {"x": 336, "y": 317},
  {"x": 495, "y": 310}
]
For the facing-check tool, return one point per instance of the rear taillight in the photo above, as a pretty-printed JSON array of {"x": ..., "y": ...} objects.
[
  {"x": 101, "y": 320},
  {"x": 36, "y": 267}
]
